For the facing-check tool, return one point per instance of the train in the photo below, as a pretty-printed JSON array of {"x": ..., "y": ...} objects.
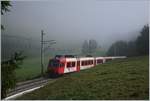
[{"x": 62, "y": 64}]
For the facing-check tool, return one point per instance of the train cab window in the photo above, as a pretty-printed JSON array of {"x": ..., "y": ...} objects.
[
  {"x": 54, "y": 63},
  {"x": 62, "y": 64}
]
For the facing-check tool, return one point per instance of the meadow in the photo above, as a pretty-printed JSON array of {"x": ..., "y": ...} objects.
[
  {"x": 123, "y": 79},
  {"x": 30, "y": 68}
]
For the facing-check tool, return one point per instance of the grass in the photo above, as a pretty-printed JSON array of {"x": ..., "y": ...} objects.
[
  {"x": 118, "y": 79},
  {"x": 31, "y": 68}
]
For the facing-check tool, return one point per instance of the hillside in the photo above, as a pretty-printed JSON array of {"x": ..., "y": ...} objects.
[{"x": 117, "y": 79}]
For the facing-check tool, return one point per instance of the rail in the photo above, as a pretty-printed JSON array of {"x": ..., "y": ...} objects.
[{"x": 30, "y": 84}]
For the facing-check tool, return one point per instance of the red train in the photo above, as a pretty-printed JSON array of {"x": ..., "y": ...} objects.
[{"x": 62, "y": 64}]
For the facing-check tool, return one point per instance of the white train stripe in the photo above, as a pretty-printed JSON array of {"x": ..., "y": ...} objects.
[{"x": 70, "y": 69}]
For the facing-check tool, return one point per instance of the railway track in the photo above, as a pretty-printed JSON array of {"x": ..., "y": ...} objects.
[{"x": 30, "y": 84}]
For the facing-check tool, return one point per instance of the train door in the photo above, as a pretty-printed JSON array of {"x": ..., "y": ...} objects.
[
  {"x": 61, "y": 67},
  {"x": 78, "y": 65}
]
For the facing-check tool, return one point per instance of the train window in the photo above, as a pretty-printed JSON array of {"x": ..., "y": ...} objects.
[
  {"x": 62, "y": 64},
  {"x": 54, "y": 63},
  {"x": 82, "y": 63},
  {"x": 99, "y": 61},
  {"x": 68, "y": 64},
  {"x": 73, "y": 64},
  {"x": 89, "y": 62},
  {"x": 85, "y": 62}
]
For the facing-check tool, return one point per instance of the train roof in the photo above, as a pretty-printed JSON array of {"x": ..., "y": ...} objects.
[
  {"x": 87, "y": 57},
  {"x": 65, "y": 56}
]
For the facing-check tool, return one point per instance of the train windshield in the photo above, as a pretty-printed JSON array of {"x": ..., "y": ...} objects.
[{"x": 54, "y": 63}]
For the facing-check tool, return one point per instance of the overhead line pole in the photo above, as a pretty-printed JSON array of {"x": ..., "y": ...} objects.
[
  {"x": 42, "y": 59},
  {"x": 43, "y": 49}
]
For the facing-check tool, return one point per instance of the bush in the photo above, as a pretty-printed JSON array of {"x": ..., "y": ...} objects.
[{"x": 8, "y": 73}]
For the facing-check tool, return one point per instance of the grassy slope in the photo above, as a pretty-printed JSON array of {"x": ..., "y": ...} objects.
[
  {"x": 118, "y": 79},
  {"x": 30, "y": 69}
]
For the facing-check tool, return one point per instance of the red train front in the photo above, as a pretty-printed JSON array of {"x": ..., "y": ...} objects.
[{"x": 56, "y": 65}]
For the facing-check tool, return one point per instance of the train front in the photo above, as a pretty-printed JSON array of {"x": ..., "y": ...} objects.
[{"x": 56, "y": 66}]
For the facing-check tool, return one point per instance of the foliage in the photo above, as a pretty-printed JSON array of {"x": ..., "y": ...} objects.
[
  {"x": 132, "y": 48},
  {"x": 92, "y": 46},
  {"x": 119, "y": 48},
  {"x": 117, "y": 79},
  {"x": 85, "y": 47},
  {"x": 4, "y": 8},
  {"x": 8, "y": 75},
  {"x": 8, "y": 67},
  {"x": 142, "y": 41}
]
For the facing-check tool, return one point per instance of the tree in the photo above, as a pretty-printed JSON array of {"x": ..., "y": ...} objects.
[
  {"x": 8, "y": 66},
  {"x": 118, "y": 48},
  {"x": 8, "y": 75},
  {"x": 4, "y": 8},
  {"x": 92, "y": 46},
  {"x": 142, "y": 42},
  {"x": 89, "y": 47},
  {"x": 140, "y": 46},
  {"x": 85, "y": 47},
  {"x": 131, "y": 49}
]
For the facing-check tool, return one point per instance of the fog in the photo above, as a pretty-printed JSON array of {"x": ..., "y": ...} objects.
[{"x": 70, "y": 22}]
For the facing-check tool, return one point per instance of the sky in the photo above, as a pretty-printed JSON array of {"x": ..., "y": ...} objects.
[{"x": 70, "y": 22}]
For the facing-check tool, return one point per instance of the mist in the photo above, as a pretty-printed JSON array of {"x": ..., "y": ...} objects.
[{"x": 70, "y": 22}]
